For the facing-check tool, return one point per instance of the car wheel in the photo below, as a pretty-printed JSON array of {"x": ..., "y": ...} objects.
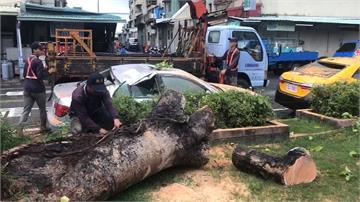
[{"x": 243, "y": 83}]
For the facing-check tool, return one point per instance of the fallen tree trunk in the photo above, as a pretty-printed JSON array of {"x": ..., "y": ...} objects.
[
  {"x": 296, "y": 167},
  {"x": 89, "y": 167}
]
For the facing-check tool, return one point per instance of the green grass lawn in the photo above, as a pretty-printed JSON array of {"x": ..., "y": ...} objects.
[
  {"x": 330, "y": 152},
  {"x": 306, "y": 126}
]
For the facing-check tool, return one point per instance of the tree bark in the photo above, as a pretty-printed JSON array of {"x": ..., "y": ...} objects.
[
  {"x": 91, "y": 167},
  {"x": 296, "y": 167}
]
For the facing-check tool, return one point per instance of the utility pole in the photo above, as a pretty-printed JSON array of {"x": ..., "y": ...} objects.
[{"x": 98, "y": 6}]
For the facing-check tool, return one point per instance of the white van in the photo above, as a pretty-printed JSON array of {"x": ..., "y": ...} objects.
[{"x": 253, "y": 64}]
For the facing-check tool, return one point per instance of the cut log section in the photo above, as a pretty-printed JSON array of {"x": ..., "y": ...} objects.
[
  {"x": 296, "y": 167},
  {"x": 92, "y": 167}
]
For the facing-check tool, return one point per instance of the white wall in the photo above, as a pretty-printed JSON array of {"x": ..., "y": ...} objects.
[
  {"x": 335, "y": 8},
  {"x": 325, "y": 39}
]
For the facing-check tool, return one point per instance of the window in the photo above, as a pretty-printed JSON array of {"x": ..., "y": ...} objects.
[
  {"x": 214, "y": 37},
  {"x": 181, "y": 85},
  {"x": 249, "y": 42},
  {"x": 347, "y": 47},
  {"x": 123, "y": 90},
  {"x": 147, "y": 88}
]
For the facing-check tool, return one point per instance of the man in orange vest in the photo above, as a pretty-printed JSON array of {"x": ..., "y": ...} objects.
[
  {"x": 232, "y": 56},
  {"x": 34, "y": 88}
]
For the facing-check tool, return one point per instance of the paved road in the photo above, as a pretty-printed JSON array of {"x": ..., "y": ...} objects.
[{"x": 11, "y": 100}]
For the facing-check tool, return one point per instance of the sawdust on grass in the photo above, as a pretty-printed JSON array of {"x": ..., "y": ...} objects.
[{"x": 204, "y": 186}]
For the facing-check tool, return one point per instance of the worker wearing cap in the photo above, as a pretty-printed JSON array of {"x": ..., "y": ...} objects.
[
  {"x": 34, "y": 88},
  {"x": 92, "y": 109},
  {"x": 229, "y": 74}
]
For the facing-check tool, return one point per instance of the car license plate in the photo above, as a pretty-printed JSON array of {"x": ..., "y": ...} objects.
[{"x": 292, "y": 87}]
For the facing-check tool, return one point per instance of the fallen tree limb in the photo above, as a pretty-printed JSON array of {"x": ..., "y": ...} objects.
[
  {"x": 296, "y": 167},
  {"x": 87, "y": 167}
]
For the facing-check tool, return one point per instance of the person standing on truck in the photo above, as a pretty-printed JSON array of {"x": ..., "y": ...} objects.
[
  {"x": 34, "y": 88},
  {"x": 91, "y": 108},
  {"x": 232, "y": 56}
]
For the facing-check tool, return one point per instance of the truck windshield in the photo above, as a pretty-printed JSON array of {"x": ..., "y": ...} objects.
[
  {"x": 347, "y": 47},
  {"x": 320, "y": 69}
]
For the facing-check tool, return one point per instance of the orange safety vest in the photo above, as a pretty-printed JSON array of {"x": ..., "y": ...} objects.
[
  {"x": 29, "y": 69},
  {"x": 230, "y": 56},
  {"x": 229, "y": 60}
]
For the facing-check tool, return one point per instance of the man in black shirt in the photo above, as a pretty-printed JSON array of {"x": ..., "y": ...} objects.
[{"x": 34, "y": 88}]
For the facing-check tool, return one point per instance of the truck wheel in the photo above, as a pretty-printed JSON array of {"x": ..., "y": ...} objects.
[{"x": 243, "y": 83}]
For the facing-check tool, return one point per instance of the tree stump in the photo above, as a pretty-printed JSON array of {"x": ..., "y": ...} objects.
[
  {"x": 92, "y": 167},
  {"x": 296, "y": 167}
]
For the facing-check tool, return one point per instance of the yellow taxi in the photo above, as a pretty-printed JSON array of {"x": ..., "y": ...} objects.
[{"x": 294, "y": 90}]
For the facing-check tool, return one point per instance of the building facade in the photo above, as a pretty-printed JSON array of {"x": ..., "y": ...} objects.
[
  {"x": 291, "y": 21},
  {"x": 313, "y": 22},
  {"x": 146, "y": 25}
]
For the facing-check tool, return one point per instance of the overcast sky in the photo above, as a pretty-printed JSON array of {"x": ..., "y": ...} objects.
[{"x": 105, "y": 6}]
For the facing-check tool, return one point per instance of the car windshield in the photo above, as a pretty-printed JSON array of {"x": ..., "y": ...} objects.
[
  {"x": 320, "y": 69},
  {"x": 145, "y": 89}
]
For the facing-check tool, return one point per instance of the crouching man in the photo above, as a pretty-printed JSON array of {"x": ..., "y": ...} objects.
[{"x": 92, "y": 109}]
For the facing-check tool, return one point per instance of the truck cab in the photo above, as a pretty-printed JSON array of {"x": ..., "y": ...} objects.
[
  {"x": 348, "y": 49},
  {"x": 253, "y": 64}
]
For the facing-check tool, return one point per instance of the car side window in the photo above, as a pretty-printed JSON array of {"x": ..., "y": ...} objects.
[
  {"x": 249, "y": 42},
  {"x": 214, "y": 37},
  {"x": 147, "y": 88},
  {"x": 356, "y": 74},
  {"x": 181, "y": 85},
  {"x": 122, "y": 90}
]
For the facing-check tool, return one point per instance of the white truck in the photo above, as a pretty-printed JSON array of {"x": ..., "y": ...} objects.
[
  {"x": 253, "y": 62},
  {"x": 252, "y": 68}
]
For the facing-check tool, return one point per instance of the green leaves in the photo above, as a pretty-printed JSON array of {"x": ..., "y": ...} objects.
[
  {"x": 164, "y": 65},
  {"x": 356, "y": 127},
  {"x": 231, "y": 109},
  {"x": 354, "y": 154},
  {"x": 340, "y": 100},
  {"x": 346, "y": 115},
  {"x": 238, "y": 109},
  {"x": 131, "y": 111},
  {"x": 9, "y": 137},
  {"x": 347, "y": 174},
  {"x": 317, "y": 148}
]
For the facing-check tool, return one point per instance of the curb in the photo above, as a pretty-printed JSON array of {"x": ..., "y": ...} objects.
[
  {"x": 273, "y": 132},
  {"x": 339, "y": 123}
]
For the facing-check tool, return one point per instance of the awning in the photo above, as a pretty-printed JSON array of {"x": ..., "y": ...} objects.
[
  {"x": 305, "y": 19},
  {"x": 163, "y": 20},
  {"x": 55, "y": 14},
  {"x": 7, "y": 10}
]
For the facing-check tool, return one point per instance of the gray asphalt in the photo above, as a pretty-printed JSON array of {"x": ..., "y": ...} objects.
[{"x": 11, "y": 100}]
